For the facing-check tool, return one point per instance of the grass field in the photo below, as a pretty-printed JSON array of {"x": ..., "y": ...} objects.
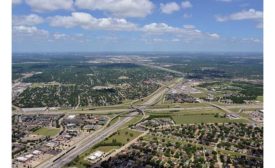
[
  {"x": 122, "y": 136},
  {"x": 180, "y": 105},
  {"x": 192, "y": 119},
  {"x": 236, "y": 110},
  {"x": 47, "y": 131},
  {"x": 203, "y": 94},
  {"x": 194, "y": 116},
  {"x": 260, "y": 98},
  {"x": 183, "y": 112},
  {"x": 133, "y": 121},
  {"x": 106, "y": 149},
  {"x": 114, "y": 120}
]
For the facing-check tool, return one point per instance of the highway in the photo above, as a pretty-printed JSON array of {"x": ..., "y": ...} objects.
[
  {"x": 163, "y": 69},
  {"x": 80, "y": 148},
  {"x": 72, "y": 111},
  {"x": 152, "y": 108}
]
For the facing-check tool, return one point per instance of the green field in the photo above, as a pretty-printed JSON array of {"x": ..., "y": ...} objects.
[
  {"x": 122, "y": 136},
  {"x": 194, "y": 116},
  {"x": 260, "y": 98},
  {"x": 192, "y": 119},
  {"x": 236, "y": 110},
  {"x": 106, "y": 149},
  {"x": 183, "y": 112},
  {"x": 114, "y": 120},
  {"x": 47, "y": 131},
  {"x": 133, "y": 121},
  {"x": 179, "y": 105}
]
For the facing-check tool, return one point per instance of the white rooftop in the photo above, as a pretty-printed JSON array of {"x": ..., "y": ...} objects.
[
  {"x": 29, "y": 156},
  {"x": 21, "y": 159},
  {"x": 95, "y": 155},
  {"x": 98, "y": 153},
  {"x": 51, "y": 144},
  {"x": 92, "y": 157},
  {"x": 71, "y": 116},
  {"x": 36, "y": 152}
]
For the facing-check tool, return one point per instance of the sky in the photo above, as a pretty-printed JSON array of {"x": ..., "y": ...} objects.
[{"x": 137, "y": 25}]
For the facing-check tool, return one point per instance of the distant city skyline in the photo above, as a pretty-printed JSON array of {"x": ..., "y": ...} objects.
[{"x": 137, "y": 25}]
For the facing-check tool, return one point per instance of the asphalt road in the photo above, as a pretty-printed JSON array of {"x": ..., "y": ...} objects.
[
  {"x": 244, "y": 106},
  {"x": 87, "y": 144}
]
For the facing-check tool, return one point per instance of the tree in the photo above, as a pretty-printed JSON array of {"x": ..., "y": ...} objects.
[
  {"x": 114, "y": 141},
  {"x": 178, "y": 144}
]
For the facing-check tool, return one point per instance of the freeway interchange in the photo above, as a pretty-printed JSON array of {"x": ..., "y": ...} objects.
[
  {"x": 66, "y": 157},
  {"x": 135, "y": 109}
]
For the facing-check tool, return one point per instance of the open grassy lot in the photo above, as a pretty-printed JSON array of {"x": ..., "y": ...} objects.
[
  {"x": 236, "y": 110},
  {"x": 260, "y": 98},
  {"x": 121, "y": 137},
  {"x": 199, "y": 95},
  {"x": 194, "y": 116},
  {"x": 179, "y": 105},
  {"x": 47, "y": 131},
  {"x": 106, "y": 149},
  {"x": 189, "y": 111},
  {"x": 209, "y": 118}
]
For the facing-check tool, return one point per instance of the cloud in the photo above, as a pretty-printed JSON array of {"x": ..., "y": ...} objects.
[
  {"x": 70, "y": 37},
  {"x": 58, "y": 36},
  {"x": 16, "y": 2},
  {"x": 186, "y": 4},
  {"x": 169, "y": 8},
  {"x": 27, "y": 20},
  {"x": 250, "y": 14},
  {"x": 187, "y": 32},
  {"x": 214, "y": 35},
  {"x": 87, "y": 21},
  {"x": 159, "y": 28},
  {"x": 119, "y": 8},
  {"x": 50, "y": 5},
  {"x": 251, "y": 39},
  {"x": 29, "y": 31},
  {"x": 160, "y": 40}
]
